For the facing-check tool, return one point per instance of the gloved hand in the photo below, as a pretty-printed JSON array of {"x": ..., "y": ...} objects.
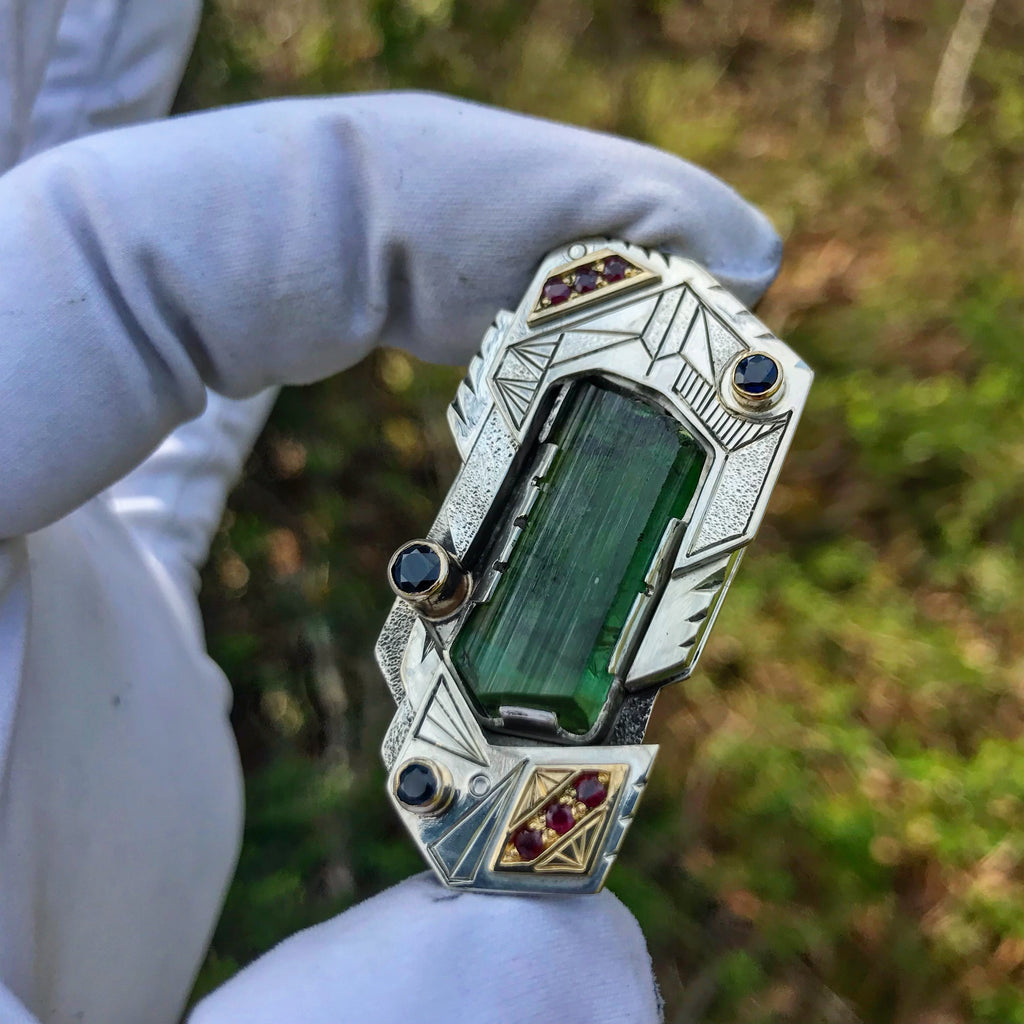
[{"x": 146, "y": 273}]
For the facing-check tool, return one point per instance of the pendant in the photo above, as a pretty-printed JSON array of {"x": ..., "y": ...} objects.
[{"x": 620, "y": 435}]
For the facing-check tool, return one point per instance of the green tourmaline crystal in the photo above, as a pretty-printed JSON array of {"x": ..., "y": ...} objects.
[{"x": 623, "y": 469}]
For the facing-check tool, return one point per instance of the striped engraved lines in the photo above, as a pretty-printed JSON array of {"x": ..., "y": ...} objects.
[{"x": 729, "y": 430}]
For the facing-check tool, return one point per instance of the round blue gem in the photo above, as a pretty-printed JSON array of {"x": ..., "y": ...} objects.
[
  {"x": 756, "y": 374},
  {"x": 417, "y": 784},
  {"x": 416, "y": 569}
]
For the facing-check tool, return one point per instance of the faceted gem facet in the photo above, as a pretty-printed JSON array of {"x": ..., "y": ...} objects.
[
  {"x": 585, "y": 280},
  {"x": 560, "y": 818},
  {"x": 416, "y": 569},
  {"x": 615, "y": 268},
  {"x": 556, "y": 291},
  {"x": 529, "y": 843},
  {"x": 590, "y": 790},
  {"x": 623, "y": 469},
  {"x": 417, "y": 784},
  {"x": 755, "y": 374}
]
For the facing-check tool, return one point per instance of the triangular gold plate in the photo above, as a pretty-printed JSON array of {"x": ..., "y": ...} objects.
[
  {"x": 574, "y": 854},
  {"x": 591, "y": 279},
  {"x": 536, "y": 792}
]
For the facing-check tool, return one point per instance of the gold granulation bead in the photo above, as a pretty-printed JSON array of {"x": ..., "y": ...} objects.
[
  {"x": 536, "y": 824},
  {"x": 579, "y": 809},
  {"x": 550, "y": 835},
  {"x": 603, "y": 778}
]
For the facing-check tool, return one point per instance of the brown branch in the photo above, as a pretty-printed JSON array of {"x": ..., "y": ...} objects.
[{"x": 949, "y": 93}]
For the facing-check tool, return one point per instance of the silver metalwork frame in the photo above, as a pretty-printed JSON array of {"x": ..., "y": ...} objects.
[{"x": 674, "y": 336}]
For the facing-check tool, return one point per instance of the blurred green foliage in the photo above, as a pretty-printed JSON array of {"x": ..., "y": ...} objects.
[{"x": 836, "y": 827}]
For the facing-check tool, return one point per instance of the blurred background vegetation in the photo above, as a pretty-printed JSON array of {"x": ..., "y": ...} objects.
[{"x": 835, "y": 831}]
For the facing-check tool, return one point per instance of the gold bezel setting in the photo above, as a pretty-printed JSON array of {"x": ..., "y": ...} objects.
[
  {"x": 417, "y": 597},
  {"x": 443, "y": 795},
  {"x": 764, "y": 399},
  {"x": 445, "y": 595}
]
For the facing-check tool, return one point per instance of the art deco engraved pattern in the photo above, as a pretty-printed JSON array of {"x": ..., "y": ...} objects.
[
  {"x": 445, "y": 725},
  {"x": 674, "y": 335},
  {"x": 565, "y": 824}
]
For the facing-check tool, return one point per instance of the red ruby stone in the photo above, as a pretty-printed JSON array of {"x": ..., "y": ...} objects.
[
  {"x": 590, "y": 791},
  {"x": 559, "y": 817},
  {"x": 556, "y": 291},
  {"x": 615, "y": 268},
  {"x": 529, "y": 843},
  {"x": 585, "y": 280}
]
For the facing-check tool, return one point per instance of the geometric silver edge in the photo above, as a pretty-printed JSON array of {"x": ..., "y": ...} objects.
[{"x": 675, "y": 339}]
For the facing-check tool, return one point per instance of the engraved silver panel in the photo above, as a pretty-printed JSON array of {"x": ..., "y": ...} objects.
[{"x": 464, "y": 842}]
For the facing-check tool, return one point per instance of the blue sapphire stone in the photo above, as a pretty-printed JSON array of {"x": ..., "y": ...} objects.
[
  {"x": 416, "y": 569},
  {"x": 756, "y": 374},
  {"x": 417, "y": 785}
]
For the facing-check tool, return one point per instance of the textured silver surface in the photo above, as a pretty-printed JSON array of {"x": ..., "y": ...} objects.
[
  {"x": 397, "y": 732},
  {"x": 675, "y": 339},
  {"x": 631, "y": 721},
  {"x": 736, "y": 494},
  {"x": 391, "y": 646},
  {"x": 476, "y": 486}
]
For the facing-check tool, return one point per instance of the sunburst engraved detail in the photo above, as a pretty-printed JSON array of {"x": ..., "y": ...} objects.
[
  {"x": 575, "y": 854},
  {"x": 516, "y": 396},
  {"x": 460, "y": 851},
  {"x": 445, "y": 726},
  {"x": 519, "y": 373},
  {"x": 472, "y": 400}
]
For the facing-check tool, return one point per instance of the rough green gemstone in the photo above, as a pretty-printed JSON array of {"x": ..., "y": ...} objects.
[{"x": 624, "y": 468}]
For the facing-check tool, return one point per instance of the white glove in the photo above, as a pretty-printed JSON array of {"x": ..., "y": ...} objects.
[
  {"x": 237, "y": 250},
  {"x": 417, "y": 954}
]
